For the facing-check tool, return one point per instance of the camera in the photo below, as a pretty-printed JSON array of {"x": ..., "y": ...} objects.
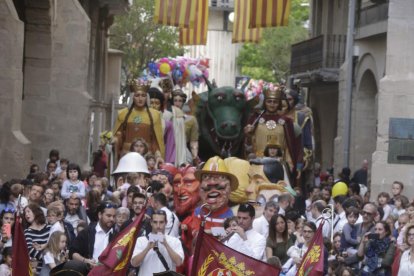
[{"x": 373, "y": 236}]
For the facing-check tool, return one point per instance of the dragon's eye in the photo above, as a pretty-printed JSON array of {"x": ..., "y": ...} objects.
[{"x": 220, "y": 97}]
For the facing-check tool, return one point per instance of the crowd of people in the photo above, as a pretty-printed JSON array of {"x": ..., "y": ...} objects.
[{"x": 72, "y": 215}]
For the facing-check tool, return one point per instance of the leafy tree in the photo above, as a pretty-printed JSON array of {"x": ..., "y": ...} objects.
[
  {"x": 142, "y": 40},
  {"x": 270, "y": 59}
]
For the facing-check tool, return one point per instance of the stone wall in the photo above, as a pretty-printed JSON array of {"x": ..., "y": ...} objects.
[
  {"x": 14, "y": 146},
  {"x": 56, "y": 104},
  {"x": 396, "y": 98}
]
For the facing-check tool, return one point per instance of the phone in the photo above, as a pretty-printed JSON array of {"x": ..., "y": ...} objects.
[
  {"x": 7, "y": 229},
  {"x": 373, "y": 236}
]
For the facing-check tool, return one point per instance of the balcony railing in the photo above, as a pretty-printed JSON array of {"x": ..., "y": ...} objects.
[
  {"x": 324, "y": 51},
  {"x": 226, "y": 5},
  {"x": 372, "y": 14}
]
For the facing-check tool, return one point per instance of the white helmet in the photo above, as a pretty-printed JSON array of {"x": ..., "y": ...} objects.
[{"x": 132, "y": 162}]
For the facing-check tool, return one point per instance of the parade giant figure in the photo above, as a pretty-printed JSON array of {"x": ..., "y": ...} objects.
[
  {"x": 216, "y": 184},
  {"x": 268, "y": 125},
  {"x": 139, "y": 121},
  {"x": 221, "y": 114}
]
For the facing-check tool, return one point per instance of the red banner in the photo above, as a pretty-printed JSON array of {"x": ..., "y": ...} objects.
[
  {"x": 214, "y": 258},
  {"x": 20, "y": 252},
  {"x": 312, "y": 262},
  {"x": 115, "y": 259}
]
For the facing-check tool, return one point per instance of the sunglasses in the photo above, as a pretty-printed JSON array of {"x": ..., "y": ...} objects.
[{"x": 9, "y": 210}]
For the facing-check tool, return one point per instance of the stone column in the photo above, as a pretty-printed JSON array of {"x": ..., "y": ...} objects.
[
  {"x": 396, "y": 96},
  {"x": 14, "y": 146}
]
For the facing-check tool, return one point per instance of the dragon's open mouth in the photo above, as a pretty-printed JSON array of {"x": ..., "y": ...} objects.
[{"x": 227, "y": 146}]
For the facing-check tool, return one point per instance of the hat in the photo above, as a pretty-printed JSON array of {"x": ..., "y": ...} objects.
[
  {"x": 216, "y": 165},
  {"x": 136, "y": 86},
  {"x": 132, "y": 162},
  {"x": 272, "y": 93}
]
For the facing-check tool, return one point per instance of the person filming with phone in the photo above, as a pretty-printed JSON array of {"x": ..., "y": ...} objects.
[
  {"x": 376, "y": 251},
  {"x": 158, "y": 252}
]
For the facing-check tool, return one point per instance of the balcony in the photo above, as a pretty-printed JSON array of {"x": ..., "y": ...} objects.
[
  {"x": 371, "y": 20},
  {"x": 318, "y": 55}
]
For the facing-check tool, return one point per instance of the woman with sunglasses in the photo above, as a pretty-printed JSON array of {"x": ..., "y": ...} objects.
[
  {"x": 377, "y": 251},
  {"x": 7, "y": 227}
]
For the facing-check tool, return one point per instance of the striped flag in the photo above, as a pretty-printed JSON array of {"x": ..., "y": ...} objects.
[
  {"x": 178, "y": 13},
  {"x": 241, "y": 30},
  {"x": 269, "y": 13},
  {"x": 198, "y": 34}
]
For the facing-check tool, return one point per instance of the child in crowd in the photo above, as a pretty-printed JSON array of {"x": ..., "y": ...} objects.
[
  {"x": 73, "y": 185},
  {"x": 55, "y": 252},
  {"x": 397, "y": 188},
  {"x": 5, "y": 267},
  {"x": 383, "y": 199},
  {"x": 55, "y": 217},
  {"x": 349, "y": 239},
  {"x": 151, "y": 161},
  {"x": 400, "y": 203}
]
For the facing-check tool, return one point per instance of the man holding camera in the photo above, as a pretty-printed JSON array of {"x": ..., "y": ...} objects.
[{"x": 158, "y": 252}]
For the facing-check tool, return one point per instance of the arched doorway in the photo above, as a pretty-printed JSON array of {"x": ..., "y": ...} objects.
[{"x": 364, "y": 121}]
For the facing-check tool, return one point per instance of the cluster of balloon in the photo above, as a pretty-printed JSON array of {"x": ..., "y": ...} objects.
[
  {"x": 180, "y": 69},
  {"x": 251, "y": 87}
]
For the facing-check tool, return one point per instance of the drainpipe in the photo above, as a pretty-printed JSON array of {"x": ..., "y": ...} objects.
[{"x": 348, "y": 82}]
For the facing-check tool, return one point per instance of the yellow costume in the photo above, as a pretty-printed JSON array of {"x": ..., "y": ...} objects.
[{"x": 139, "y": 126}]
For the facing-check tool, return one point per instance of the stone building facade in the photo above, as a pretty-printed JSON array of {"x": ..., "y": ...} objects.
[
  {"x": 383, "y": 72},
  {"x": 54, "y": 90}
]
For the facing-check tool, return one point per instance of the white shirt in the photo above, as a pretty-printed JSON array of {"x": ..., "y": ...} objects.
[
  {"x": 340, "y": 221},
  {"x": 173, "y": 223},
  {"x": 261, "y": 225},
  {"x": 151, "y": 263},
  {"x": 73, "y": 219},
  {"x": 326, "y": 230},
  {"x": 101, "y": 241},
  {"x": 406, "y": 266},
  {"x": 254, "y": 246},
  {"x": 57, "y": 226}
]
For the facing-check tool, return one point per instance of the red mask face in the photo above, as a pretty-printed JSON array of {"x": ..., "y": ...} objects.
[{"x": 186, "y": 191}]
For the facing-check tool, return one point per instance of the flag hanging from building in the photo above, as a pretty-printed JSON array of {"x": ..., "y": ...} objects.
[
  {"x": 312, "y": 262},
  {"x": 214, "y": 258},
  {"x": 269, "y": 13},
  {"x": 198, "y": 34},
  {"x": 20, "y": 252},
  {"x": 178, "y": 13},
  {"x": 241, "y": 30},
  {"x": 115, "y": 259}
]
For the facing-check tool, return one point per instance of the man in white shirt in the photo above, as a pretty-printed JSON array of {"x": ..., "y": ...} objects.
[
  {"x": 246, "y": 240},
  {"x": 317, "y": 208},
  {"x": 160, "y": 203},
  {"x": 261, "y": 224},
  {"x": 92, "y": 241},
  {"x": 170, "y": 250},
  {"x": 340, "y": 218}
]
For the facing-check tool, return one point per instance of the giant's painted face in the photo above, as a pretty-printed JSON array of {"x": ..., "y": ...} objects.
[
  {"x": 215, "y": 190},
  {"x": 186, "y": 191}
]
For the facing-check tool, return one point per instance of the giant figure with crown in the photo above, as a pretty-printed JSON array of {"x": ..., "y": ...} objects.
[{"x": 139, "y": 120}]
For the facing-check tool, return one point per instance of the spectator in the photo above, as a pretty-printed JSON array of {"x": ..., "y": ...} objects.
[
  {"x": 36, "y": 234},
  {"x": 148, "y": 251},
  {"x": 349, "y": 239},
  {"x": 91, "y": 242},
  {"x": 55, "y": 218},
  {"x": 75, "y": 212},
  {"x": 122, "y": 215},
  {"x": 36, "y": 195},
  {"x": 397, "y": 188},
  {"x": 279, "y": 240},
  {"x": 93, "y": 199},
  {"x": 5, "y": 266},
  {"x": 361, "y": 175},
  {"x": 261, "y": 224},
  {"x": 340, "y": 219},
  {"x": 172, "y": 226},
  {"x": 317, "y": 214},
  {"x": 6, "y": 221},
  {"x": 73, "y": 185},
  {"x": 377, "y": 253},
  {"x": 49, "y": 196},
  {"x": 383, "y": 199},
  {"x": 284, "y": 202},
  {"x": 406, "y": 261},
  {"x": 247, "y": 240},
  {"x": 55, "y": 252},
  {"x": 401, "y": 202}
]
